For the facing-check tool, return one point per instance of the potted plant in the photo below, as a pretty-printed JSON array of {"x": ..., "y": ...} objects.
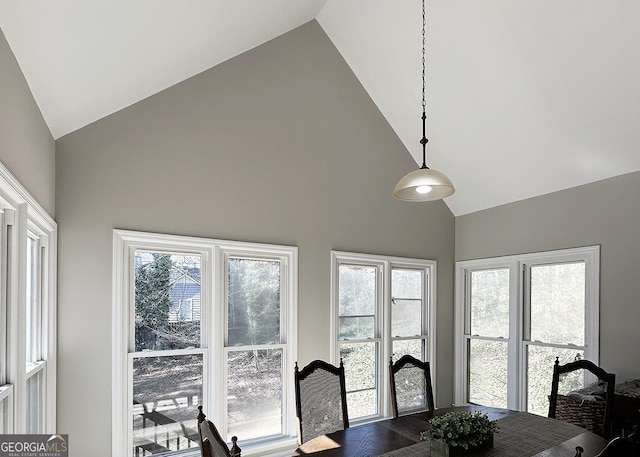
[{"x": 456, "y": 432}]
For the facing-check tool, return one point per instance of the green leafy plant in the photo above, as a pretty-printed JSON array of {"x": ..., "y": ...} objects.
[{"x": 461, "y": 429}]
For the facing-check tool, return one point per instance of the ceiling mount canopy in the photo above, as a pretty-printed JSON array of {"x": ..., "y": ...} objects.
[{"x": 424, "y": 184}]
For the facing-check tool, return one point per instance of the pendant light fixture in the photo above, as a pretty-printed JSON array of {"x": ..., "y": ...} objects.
[{"x": 424, "y": 184}]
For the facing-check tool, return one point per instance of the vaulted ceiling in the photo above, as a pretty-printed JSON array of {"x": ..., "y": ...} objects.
[{"x": 524, "y": 97}]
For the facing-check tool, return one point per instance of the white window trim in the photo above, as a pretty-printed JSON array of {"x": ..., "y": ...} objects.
[
  {"x": 517, "y": 263},
  {"x": 6, "y": 394},
  {"x": 213, "y": 253},
  {"x": 5, "y": 391},
  {"x": 22, "y": 213},
  {"x": 4, "y": 239},
  {"x": 384, "y": 264}
]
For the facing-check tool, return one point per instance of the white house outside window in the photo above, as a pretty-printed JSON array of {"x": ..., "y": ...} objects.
[{"x": 202, "y": 322}]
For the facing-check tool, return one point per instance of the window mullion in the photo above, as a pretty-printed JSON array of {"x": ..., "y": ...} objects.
[
  {"x": 215, "y": 331},
  {"x": 17, "y": 310},
  {"x": 385, "y": 346},
  {"x": 517, "y": 358},
  {"x": 519, "y": 372},
  {"x": 526, "y": 302}
]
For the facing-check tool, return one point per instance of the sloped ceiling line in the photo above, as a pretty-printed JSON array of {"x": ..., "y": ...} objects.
[{"x": 523, "y": 99}]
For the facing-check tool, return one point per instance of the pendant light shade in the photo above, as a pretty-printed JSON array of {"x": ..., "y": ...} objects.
[{"x": 423, "y": 185}]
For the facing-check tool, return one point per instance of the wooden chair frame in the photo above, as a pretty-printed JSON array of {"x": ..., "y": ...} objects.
[
  {"x": 608, "y": 378},
  {"x": 399, "y": 365},
  {"x": 621, "y": 446},
  {"x": 206, "y": 447}
]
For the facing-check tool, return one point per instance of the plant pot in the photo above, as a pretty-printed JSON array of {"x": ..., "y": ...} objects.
[{"x": 442, "y": 449}]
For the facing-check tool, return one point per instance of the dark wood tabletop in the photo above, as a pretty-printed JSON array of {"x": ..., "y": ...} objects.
[{"x": 519, "y": 434}]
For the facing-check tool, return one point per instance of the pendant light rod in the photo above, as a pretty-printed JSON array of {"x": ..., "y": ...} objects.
[
  {"x": 424, "y": 184},
  {"x": 424, "y": 139}
]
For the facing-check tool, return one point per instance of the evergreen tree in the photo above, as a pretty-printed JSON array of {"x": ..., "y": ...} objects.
[{"x": 152, "y": 302}]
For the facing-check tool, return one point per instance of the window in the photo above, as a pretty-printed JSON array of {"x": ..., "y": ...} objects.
[
  {"x": 167, "y": 355},
  {"x": 254, "y": 347},
  {"x": 515, "y": 316},
  {"x": 198, "y": 321},
  {"x": 35, "y": 363},
  {"x": 382, "y": 307},
  {"x": 27, "y": 312}
]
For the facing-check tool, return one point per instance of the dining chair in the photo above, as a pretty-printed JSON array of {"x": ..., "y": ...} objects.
[
  {"x": 321, "y": 399},
  {"x": 621, "y": 446},
  {"x": 411, "y": 389},
  {"x": 589, "y": 407},
  {"x": 211, "y": 443}
]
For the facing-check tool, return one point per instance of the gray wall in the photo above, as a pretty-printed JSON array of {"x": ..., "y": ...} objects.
[
  {"x": 27, "y": 148},
  {"x": 279, "y": 145},
  {"x": 605, "y": 213}
]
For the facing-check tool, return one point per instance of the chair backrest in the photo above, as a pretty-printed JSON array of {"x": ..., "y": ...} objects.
[
  {"x": 211, "y": 443},
  {"x": 577, "y": 408},
  {"x": 321, "y": 399},
  {"x": 411, "y": 389}
]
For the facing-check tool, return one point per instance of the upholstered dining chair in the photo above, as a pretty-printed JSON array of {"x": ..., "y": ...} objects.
[
  {"x": 321, "y": 399},
  {"x": 590, "y": 407},
  {"x": 411, "y": 389},
  {"x": 211, "y": 443}
]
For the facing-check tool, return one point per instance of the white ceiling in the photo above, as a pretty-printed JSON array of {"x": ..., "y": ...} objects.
[{"x": 524, "y": 97}]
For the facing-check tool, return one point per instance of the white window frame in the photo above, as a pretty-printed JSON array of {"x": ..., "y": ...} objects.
[
  {"x": 21, "y": 214},
  {"x": 519, "y": 266},
  {"x": 38, "y": 365},
  {"x": 384, "y": 266},
  {"x": 6, "y": 389},
  {"x": 213, "y": 310}
]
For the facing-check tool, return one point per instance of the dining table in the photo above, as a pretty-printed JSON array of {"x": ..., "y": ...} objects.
[{"x": 519, "y": 434}]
